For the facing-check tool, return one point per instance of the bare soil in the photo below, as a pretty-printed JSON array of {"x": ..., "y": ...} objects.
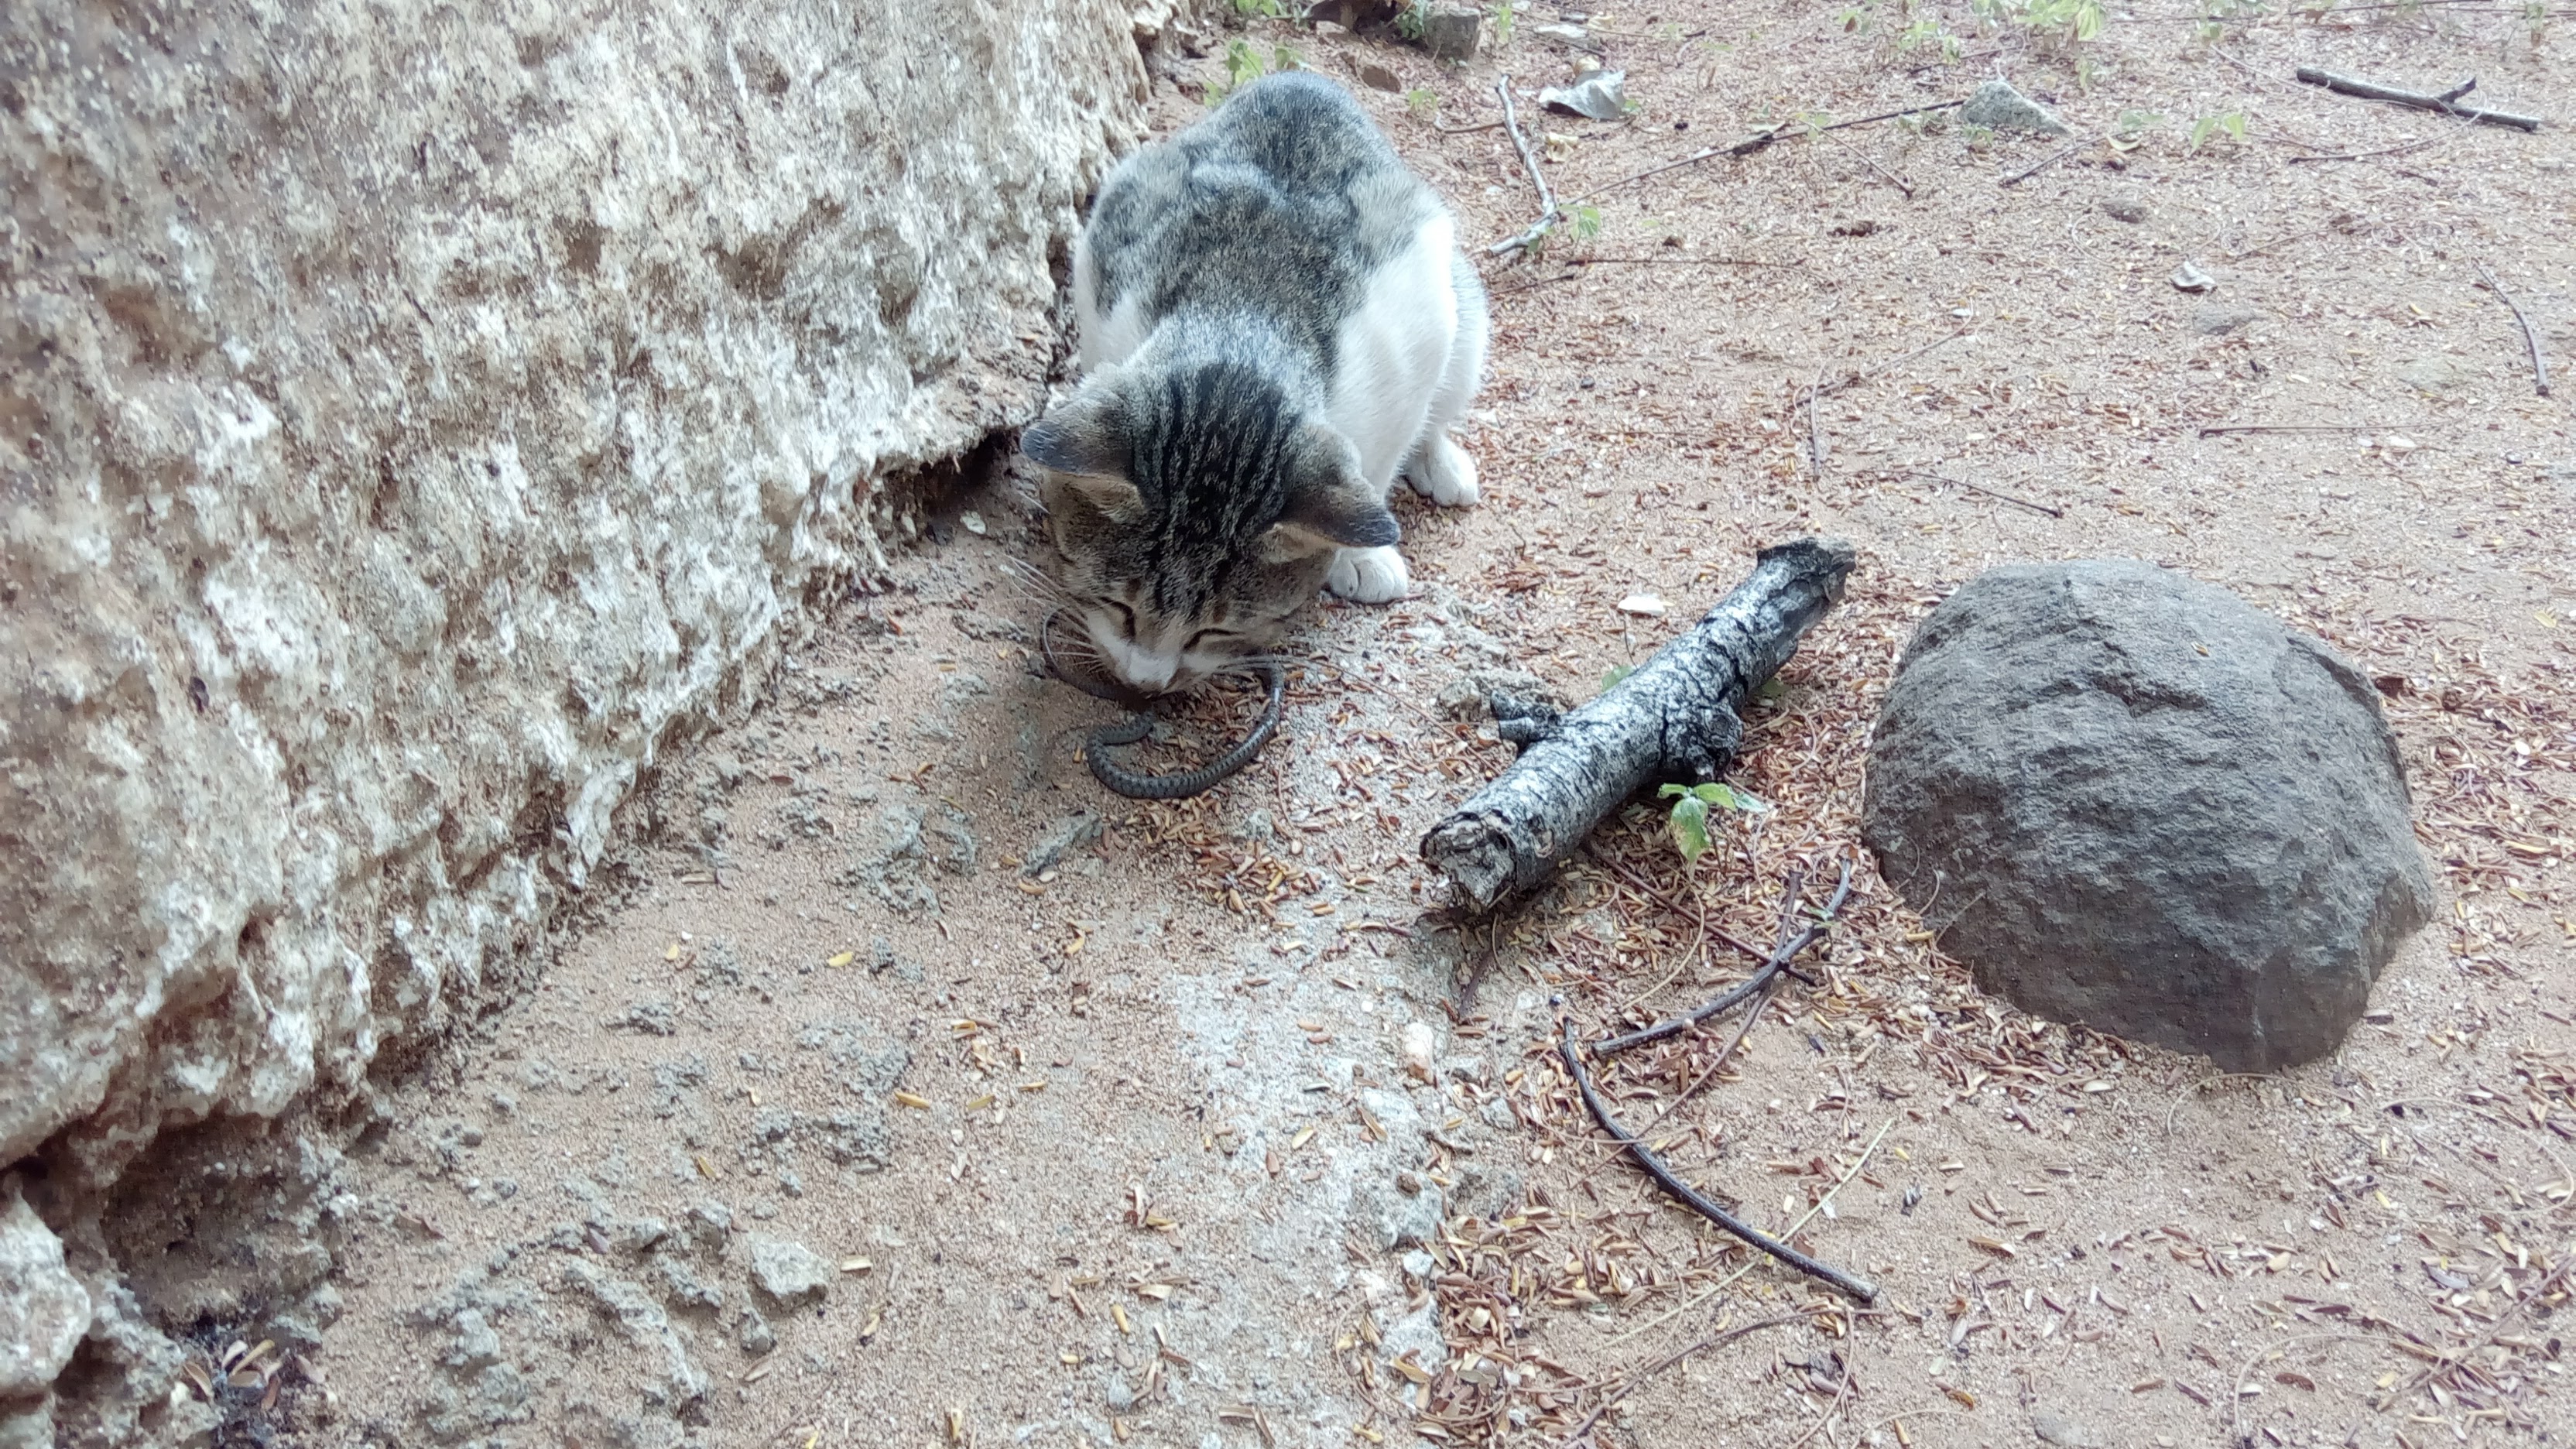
[{"x": 1109, "y": 1139}]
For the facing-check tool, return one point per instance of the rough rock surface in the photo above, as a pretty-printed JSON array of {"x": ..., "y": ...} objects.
[
  {"x": 2131, "y": 800},
  {"x": 43, "y": 1309},
  {"x": 409, "y": 425},
  {"x": 1996, "y": 106},
  {"x": 790, "y": 1273}
]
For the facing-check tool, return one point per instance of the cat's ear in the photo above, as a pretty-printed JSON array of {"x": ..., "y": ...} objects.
[
  {"x": 1330, "y": 504},
  {"x": 1080, "y": 436}
]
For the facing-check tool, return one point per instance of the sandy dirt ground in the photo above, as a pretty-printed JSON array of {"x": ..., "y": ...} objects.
[{"x": 896, "y": 1086}]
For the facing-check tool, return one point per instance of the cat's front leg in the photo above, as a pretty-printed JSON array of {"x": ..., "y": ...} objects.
[
  {"x": 1442, "y": 471},
  {"x": 1368, "y": 575}
]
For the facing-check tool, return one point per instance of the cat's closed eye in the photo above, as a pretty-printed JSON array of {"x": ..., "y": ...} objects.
[{"x": 1126, "y": 618}]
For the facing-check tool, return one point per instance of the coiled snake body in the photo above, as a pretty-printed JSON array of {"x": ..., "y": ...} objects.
[{"x": 1136, "y": 726}]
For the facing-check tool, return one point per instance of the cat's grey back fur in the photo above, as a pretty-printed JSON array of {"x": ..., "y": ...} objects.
[{"x": 1280, "y": 204}]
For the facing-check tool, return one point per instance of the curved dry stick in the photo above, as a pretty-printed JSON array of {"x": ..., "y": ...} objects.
[
  {"x": 2530, "y": 339},
  {"x": 1139, "y": 724},
  {"x": 1750, "y": 986},
  {"x": 1548, "y": 215},
  {"x": 1858, "y": 1288}
]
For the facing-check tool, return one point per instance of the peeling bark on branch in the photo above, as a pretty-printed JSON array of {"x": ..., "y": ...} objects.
[{"x": 1675, "y": 720}]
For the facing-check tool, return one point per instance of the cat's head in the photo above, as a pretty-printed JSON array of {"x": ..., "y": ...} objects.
[{"x": 1193, "y": 512}]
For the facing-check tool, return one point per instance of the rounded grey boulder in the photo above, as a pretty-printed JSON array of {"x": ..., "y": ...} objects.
[{"x": 2132, "y": 800}]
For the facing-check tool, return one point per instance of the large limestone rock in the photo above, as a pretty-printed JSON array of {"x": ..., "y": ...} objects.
[
  {"x": 411, "y": 419},
  {"x": 2132, "y": 800},
  {"x": 43, "y": 1309}
]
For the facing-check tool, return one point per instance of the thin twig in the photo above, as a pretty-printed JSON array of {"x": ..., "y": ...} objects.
[
  {"x": 1893, "y": 363},
  {"x": 1679, "y": 261},
  {"x": 2194, "y": 1090},
  {"x": 2043, "y": 164},
  {"x": 2288, "y": 428},
  {"x": 1650, "y": 888},
  {"x": 2449, "y": 1361},
  {"x": 1463, "y": 130},
  {"x": 1994, "y": 493},
  {"x": 1548, "y": 215},
  {"x": 1815, "y": 432},
  {"x": 1638, "y": 1378},
  {"x": 1860, "y": 1289},
  {"x": 2236, "y": 1408},
  {"x": 2365, "y": 155},
  {"x": 1899, "y": 182},
  {"x": 1757, "y": 141},
  {"x": 2444, "y": 102},
  {"x": 1908, "y": 1414},
  {"x": 1827, "y": 1417},
  {"x": 1780, "y": 957},
  {"x": 1795, "y": 1228},
  {"x": 2530, "y": 339}
]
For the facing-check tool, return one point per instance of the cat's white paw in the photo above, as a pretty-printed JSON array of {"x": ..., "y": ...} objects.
[
  {"x": 1368, "y": 575},
  {"x": 1444, "y": 473}
]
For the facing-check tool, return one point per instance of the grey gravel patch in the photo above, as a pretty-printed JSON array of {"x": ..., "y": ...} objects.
[
  {"x": 1998, "y": 107},
  {"x": 1471, "y": 696},
  {"x": 2065, "y": 1433},
  {"x": 675, "y": 1380},
  {"x": 789, "y": 1273},
  {"x": 1069, "y": 833},
  {"x": 2436, "y": 373},
  {"x": 2125, "y": 206},
  {"x": 653, "y": 1018},
  {"x": 753, "y": 1334},
  {"x": 2219, "y": 321},
  {"x": 1416, "y": 1335}
]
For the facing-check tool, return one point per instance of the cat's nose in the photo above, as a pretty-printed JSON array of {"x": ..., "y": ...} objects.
[{"x": 1151, "y": 675}]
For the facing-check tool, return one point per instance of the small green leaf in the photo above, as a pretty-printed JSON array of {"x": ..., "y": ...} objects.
[
  {"x": 1717, "y": 795},
  {"x": 1610, "y": 681},
  {"x": 1690, "y": 827},
  {"x": 1667, "y": 792}
]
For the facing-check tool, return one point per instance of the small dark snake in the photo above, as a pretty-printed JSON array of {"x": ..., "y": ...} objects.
[{"x": 1139, "y": 724}]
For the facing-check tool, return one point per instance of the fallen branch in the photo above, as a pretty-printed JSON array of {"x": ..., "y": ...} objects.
[
  {"x": 1760, "y": 139},
  {"x": 1858, "y": 1288},
  {"x": 2530, "y": 339},
  {"x": 2420, "y": 100},
  {"x": 1780, "y": 958},
  {"x": 1674, "y": 719},
  {"x": 1548, "y": 215}
]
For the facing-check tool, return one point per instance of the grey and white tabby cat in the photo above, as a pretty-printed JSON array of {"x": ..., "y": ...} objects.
[{"x": 1275, "y": 320}]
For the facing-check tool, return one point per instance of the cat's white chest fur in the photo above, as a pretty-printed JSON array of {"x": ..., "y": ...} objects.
[{"x": 1406, "y": 363}]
